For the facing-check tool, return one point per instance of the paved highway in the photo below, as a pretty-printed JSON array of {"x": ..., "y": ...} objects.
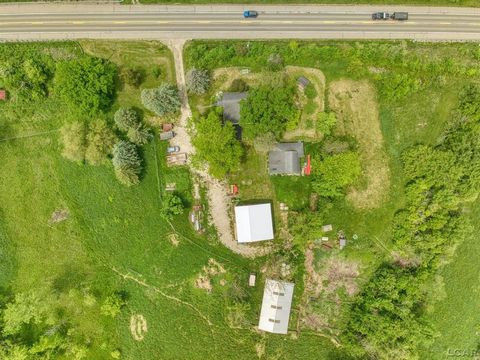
[{"x": 56, "y": 21}]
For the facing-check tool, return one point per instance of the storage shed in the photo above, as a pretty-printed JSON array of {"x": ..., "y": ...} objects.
[
  {"x": 276, "y": 306},
  {"x": 253, "y": 223}
]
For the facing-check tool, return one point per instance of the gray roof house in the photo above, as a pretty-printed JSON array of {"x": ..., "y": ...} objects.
[
  {"x": 284, "y": 159},
  {"x": 230, "y": 102}
]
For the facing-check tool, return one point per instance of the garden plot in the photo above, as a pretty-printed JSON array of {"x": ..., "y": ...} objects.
[{"x": 355, "y": 104}]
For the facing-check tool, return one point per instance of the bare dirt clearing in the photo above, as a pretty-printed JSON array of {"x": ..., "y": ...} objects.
[{"x": 357, "y": 111}]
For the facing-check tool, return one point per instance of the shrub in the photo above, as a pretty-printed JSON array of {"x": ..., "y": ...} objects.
[
  {"x": 162, "y": 100},
  {"x": 112, "y": 305},
  {"x": 275, "y": 62},
  {"x": 326, "y": 122},
  {"x": 73, "y": 137},
  {"x": 100, "y": 140},
  {"x": 127, "y": 163},
  {"x": 310, "y": 92},
  {"x": 172, "y": 205},
  {"x": 198, "y": 81},
  {"x": 132, "y": 77},
  {"x": 86, "y": 84},
  {"x": 238, "y": 85},
  {"x": 126, "y": 118}
]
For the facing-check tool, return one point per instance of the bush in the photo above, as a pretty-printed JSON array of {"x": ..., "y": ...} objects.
[
  {"x": 73, "y": 137},
  {"x": 100, "y": 140},
  {"x": 275, "y": 62},
  {"x": 310, "y": 92},
  {"x": 132, "y": 77},
  {"x": 162, "y": 100},
  {"x": 86, "y": 84},
  {"x": 198, "y": 81},
  {"x": 238, "y": 85},
  {"x": 113, "y": 305},
  {"x": 127, "y": 163},
  {"x": 326, "y": 123},
  {"x": 172, "y": 205},
  {"x": 216, "y": 144},
  {"x": 126, "y": 118},
  {"x": 267, "y": 109}
]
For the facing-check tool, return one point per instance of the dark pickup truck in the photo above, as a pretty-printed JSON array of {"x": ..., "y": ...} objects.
[{"x": 386, "y": 16}]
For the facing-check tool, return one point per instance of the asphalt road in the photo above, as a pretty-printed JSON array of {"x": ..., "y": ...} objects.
[{"x": 55, "y": 21}]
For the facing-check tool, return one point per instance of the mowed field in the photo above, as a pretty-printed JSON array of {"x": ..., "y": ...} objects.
[{"x": 112, "y": 238}]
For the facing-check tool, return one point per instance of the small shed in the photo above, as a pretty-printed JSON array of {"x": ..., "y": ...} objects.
[
  {"x": 3, "y": 95},
  {"x": 276, "y": 306},
  {"x": 302, "y": 83}
]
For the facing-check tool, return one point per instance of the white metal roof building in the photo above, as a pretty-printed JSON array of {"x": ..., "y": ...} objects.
[
  {"x": 276, "y": 305},
  {"x": 253, "y": 223}
]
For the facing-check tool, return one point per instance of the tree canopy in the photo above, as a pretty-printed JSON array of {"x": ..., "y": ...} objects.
[
  {"x": 127, "y": 163},
  {"x": 198, "y": 81},
  {"x": 333, "y": 173},
  {"x": 162, "y": 100},
  {"x": 267, "y": 109},
  {"x": 216, "y": 144}
]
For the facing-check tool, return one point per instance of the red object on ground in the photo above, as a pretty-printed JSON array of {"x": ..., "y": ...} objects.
[
  {"x": 167, "y": 127},
  {"x": 234, "y": 189},
  {"x": 3, "y": 95},
  {"x": 308, "y": 167}
]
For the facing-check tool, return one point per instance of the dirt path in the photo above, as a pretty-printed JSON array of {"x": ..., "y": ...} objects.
[{"x": 219, "y": 202}]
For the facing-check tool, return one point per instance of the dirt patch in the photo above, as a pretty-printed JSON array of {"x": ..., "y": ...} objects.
[
  {"x": 173, "y": 238},
  {"x": 356, "y": 107},
  {"x": 59, "y": 215},
  {"x": 212, "y": 269},
  {"x": 138, "y": 327},
  {"x": 329, "y": 282}
]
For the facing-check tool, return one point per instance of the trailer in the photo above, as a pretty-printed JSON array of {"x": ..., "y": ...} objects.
[
  {"x": 400, "y": 16},
  {"x": 177, "y": 159},
  {"x": 167, "y": 135}
]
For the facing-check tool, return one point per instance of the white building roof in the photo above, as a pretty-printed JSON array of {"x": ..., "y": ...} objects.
[
  {"x": 276, "y": 305},
  {"x": 253, "y": 223}
]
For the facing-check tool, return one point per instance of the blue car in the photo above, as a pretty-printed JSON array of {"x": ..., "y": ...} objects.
[{"x": 250, "y": 14}]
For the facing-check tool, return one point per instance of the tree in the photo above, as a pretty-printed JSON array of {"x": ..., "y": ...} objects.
[
  {"x": 139, "y": 135},
  {"x": 126, "y": 118},
  {"x": 172, "y": 205},
  {"x": 36, "y": 76},
  {"x": 216, "y": 144},
  {"x": 86, "y": 84},
  {"x": 267, "y": 109},
  {"x": 162, "y": 100},
  {"x": 127, "y": 163},
  {"x": 198, "y": 81},
  {"x": 335, "y": 172},
  {"x": 100, "y": 141},
  {"x": 73, "y": 138}
]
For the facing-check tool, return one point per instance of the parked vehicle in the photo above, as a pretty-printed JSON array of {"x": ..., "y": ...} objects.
[
  {"x": 167, "y": 135},
  {"x": 173, "y": 149},
  {"x": 400, "y": 16},
  {"x": 250, "y": 14},
  {"x": 380, "y": 16}
]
